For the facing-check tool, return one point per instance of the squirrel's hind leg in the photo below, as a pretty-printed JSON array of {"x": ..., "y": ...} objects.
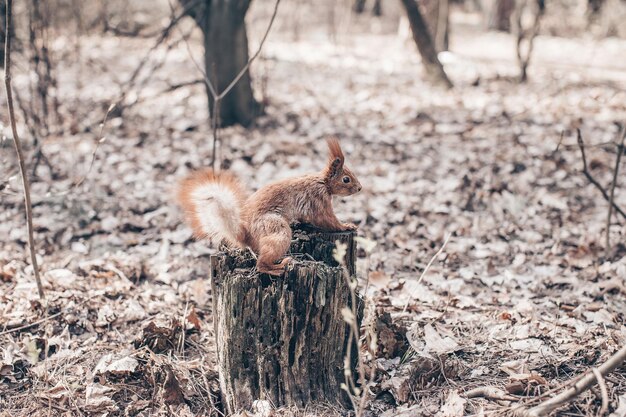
[{"x": 272, "y": 247}]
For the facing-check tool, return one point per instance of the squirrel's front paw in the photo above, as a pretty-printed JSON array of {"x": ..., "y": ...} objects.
[{"x": 348, "y": 226}]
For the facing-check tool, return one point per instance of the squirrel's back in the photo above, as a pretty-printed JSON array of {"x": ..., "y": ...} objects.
[{"x": 294, "y": 199}]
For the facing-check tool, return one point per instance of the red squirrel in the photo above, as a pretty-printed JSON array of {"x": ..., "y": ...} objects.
[{"x": 217, "y": 206}]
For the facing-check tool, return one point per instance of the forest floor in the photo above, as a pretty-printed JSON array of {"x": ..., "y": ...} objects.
[{"x": 523, "y": 297}]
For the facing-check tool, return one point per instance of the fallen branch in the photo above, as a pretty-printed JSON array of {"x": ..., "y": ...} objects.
[
  {"x": 585, "y": 382},
  {"x": 43, "y": 320},
  {"x": 592, "y": 180},
  {"x": 18, "y": 149},
  {"x": 490, "y": 393},
  {"x": 603, "y": 391}
]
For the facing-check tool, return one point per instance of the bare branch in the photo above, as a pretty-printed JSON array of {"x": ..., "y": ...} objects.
[
  {"x": 18, "y": 148},
  {"x": 592, "y": 180},
  {"x": 603, "y": 391},
  {"x": 164, "y": 35},
  {"x": 490, "y": 393},
  {"x": 101, "y": 139},
  {"x": 217, "y": 97},
  {"x": 583, "y": 384},
  {"x": 256, "y": 54},
  {"x": 435, "y": 256},
  {"x": 620, "y": 151}
]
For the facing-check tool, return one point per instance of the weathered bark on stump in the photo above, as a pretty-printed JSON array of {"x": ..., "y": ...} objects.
[
  {"x": 433, "y": 68},
  {"x": 283, "y": 339}
]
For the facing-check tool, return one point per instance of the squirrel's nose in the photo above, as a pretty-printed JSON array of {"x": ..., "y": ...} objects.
[{"x": 359, "y": 188}]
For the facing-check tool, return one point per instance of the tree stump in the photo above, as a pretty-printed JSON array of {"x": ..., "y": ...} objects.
[{"x": 283, "y": 339}]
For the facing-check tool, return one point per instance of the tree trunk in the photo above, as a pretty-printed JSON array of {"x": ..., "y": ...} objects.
[
  {"x": 225, "y": 55},
  {"x": 433, "y": 68},
  {"x": 500, "y": 15},
  {"x": 377, "y": 8},
  {"x": 526, "y": 36},
  {"x": 442, "y": 36},
  {"x": 3, "y": 29},
  {"x": 594, "y": 7},
  {"x": 359, "y": 6},
  {"x": 283, "y": 339},
  {"x": 435, "y": 14}
]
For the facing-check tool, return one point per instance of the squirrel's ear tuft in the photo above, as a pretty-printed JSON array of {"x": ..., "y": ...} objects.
[
  {"x": 334, "y": 149},
  {"x": 335, "y": 158}
]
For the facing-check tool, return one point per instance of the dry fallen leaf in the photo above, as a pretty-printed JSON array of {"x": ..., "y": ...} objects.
[
  {"x": 454, "y": 405},
  {"x": 379, "y": 279},
  {"x": 193, "y": 318},
  {"x": 172, "y": 393},
  {"x": 432, "y": 341},
  {"x": 109, "y": 364},
  {"x": 96, "y": 399}
]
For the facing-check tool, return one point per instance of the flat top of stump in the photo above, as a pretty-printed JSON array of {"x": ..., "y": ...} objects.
[{"x": 310, "y": 248}]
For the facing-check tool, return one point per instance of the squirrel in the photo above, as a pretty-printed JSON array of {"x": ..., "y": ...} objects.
[{"x": 217, "y": 206}]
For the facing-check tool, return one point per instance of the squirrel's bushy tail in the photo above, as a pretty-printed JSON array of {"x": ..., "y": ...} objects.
[{"x": 212, "y": 204}]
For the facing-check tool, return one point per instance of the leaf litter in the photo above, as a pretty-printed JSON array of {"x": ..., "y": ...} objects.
[{"x": 521, "y": 299}]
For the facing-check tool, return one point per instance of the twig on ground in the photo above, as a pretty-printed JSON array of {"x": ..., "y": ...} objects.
[
  {"x": 45, "y": 319},
  {"x": 18, "y": 148},
  {"x": 592, "y": 180},
  {"x": 558, "y": 145},
  {"x": 101, "y": 139},
  {"x": 620, "y": 151},
  {"x": 490, "y": 393},
  {"x": 33, "y": 324},
  {"x": 603, "y": 391},
  {"x": 445, "y": 242},
  {"x": 585, "y": 382}
]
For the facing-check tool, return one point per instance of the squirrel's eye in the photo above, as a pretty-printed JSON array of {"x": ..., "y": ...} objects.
[{"x": 346, "y": 180}]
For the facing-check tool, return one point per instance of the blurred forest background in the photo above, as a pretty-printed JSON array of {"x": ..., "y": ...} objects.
[{"x": 465, "y": 121}]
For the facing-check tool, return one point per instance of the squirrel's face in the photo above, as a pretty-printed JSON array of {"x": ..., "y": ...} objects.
[
  {"x": 339, "y": 179},
  {"x": 345, "y": 183}
]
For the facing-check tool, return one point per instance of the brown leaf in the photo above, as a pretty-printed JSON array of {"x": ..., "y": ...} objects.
[
  {"x": 193, "y": 318},
  {"x": 379, "y": 279},
  {"x": 171, "y": 392},
  {"x": 453, "y": 407}
]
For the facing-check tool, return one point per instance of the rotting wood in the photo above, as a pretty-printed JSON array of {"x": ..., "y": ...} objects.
[{"x": 283, "y": 339}]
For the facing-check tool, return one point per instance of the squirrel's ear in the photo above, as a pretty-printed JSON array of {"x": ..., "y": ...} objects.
[
  {"x": 335, "y": 167},
  {"x": 335, "y": 157},
  {"x": 334, "y": 149}
]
